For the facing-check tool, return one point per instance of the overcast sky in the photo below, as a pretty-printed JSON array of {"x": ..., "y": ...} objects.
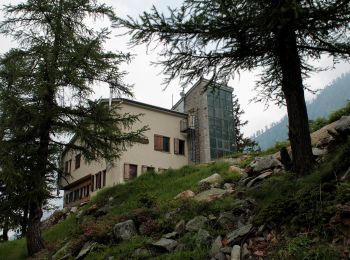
[{"x": 147, "y": 79}]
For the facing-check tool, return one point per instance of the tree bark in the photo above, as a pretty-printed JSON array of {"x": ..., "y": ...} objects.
[
  {"x": 24, "y": 221},
  {"x": 292, "y": 87},
  {"x": 35, "y": 242}
]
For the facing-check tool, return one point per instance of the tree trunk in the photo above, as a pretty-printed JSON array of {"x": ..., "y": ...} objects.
[
  {"x": 24, "y": 221},
  {"x": 5, "y": 231},
  {"x": 34, "y": 241},
  {"x": 292, "y": 87}
]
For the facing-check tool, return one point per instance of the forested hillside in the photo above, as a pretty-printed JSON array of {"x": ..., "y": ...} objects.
[{"x": 328, "y": 100}]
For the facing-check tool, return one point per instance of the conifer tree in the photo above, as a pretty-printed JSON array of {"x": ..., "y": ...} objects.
[
  {"x": 221, "y": 37},
  {"x": 58, "y": 53},
  {"x": 242, "y": 143}
]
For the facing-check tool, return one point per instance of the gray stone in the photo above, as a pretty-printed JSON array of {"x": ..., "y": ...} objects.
[
  {"x": 140, "y": 252},
  {"x": 168, "y": 244},
  {"x": 226, "y": 220},
  {"x": 196, "y": 223},
  {"x": 229, "y": 187},
  {"x": 185, "y": 195},
  {"x": 318, "y": 152},
  {"x": 73, "y": 209},
  {"x": 180, "y": 227},
  {"x": 170, "y": 235},
  {"x": 210, "y": 195},
  {"x": 343, "y": 125},
  {"x": 212, "y": 181},
  {"x": 234, "y": 168},
  {"x": 124, "y": 230},
  {"x": 236, "y": 252},
  {"x": 79, "y": 214},
  {"x": 87, "y": 247},
  {"x": 61, "y": 252},
  {"x": 203, "y": 237},
  {"x": 259, "y": 178},
  {"x": 264, "y": 163},
  {"x": 216, "y": 246},
  {"x": 220, "y": 256},
  {"x": 242, "y": 231},
  {"x": 226, "y": 250},
  {"x": 245, "y": 251}
]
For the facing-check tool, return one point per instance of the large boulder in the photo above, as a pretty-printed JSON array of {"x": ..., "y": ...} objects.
[
  {"x": 125, "y": 230},
  {"x": 210, "y": 195},
  {"x": 196, "y": 223},
  {"x": 209, "y": 182},
  {"x": 227, "y": 220},
  {"x": 264, "y": 163}
]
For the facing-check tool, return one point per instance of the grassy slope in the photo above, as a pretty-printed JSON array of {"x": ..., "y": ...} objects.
[{"x": 157, "y": 189}]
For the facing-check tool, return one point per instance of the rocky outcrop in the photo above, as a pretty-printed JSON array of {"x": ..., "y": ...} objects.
[
  {"x": 185, "y": 195},
  {"x": 165, "y": 243}
]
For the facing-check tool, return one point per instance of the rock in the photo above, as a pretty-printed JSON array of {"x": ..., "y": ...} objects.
[
  {"x": 227, "y": 220},
  {"x": 343, "y": 125},
  {"x": 170, "y": 235},
  {"x": 79, "y": 214},
  {"x": 236, "y": 252},
  {"x": 61, "y": 252},
  {"x": 140, "y": 252},
  {"x": 245, "y": 251},
  {"x": 125, "y": 230},
  {"x": 180, "y": 227},
  {"x": 88, "y": 246},
  {"x": 220, "y": 256},
  {"x": 346, "y": 176},
  {"x": 210, "y": 195},
  {"x": 180, "y": 247},
  {"x": 101, "y": 211},
  {"x": 242, "y": 231},
  {"x": 236, "y": 169},
  {"x": 229, "y": 187},
  {"x": 168, "y": 244},
  {"x": 212, "y": 181},
  {"x": 185, "y": 195},
  {"x": 203, "y": 238},
  {"x": 73, "y": 209},
  {"x": 259, "y": 178},
  {"x": 216, "y": 246},
  {"x": 264, "y": 163},
  {"x": 318, "y": 152},
  {"x": 196, "y": 223},
  {"x": 226, "y": 250}
]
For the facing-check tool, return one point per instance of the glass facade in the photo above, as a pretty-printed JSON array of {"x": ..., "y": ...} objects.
[{"x": 221, "y": 125}]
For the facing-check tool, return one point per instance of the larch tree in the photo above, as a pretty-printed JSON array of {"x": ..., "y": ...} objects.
[
  {"x": 58, "y": 53},
  {"x": 221, "y": 37}
]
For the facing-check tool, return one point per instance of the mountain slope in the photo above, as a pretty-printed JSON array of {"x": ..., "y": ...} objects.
[{"x": 330, "y": 99}]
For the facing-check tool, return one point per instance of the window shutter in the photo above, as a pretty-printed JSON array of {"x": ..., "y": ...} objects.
[
  {"x": 92, "y": 183},
  {"x": 158, "y": 143},
  {"x": 126, "y": 171},
  {"x": 176, "y": 146},
  {"x": 104, "y": 178}
]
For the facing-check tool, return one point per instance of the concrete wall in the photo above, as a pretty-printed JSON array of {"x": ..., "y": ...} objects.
[{"x": 196, "y": 102}]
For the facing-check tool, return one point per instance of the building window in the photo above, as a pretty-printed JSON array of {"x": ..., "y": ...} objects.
[
  {"x": 77, "y": 161},
  {"x": 92, "y": 183},
  {"x": 104, "y": 178},
  {"x": 98, "y": 181},
  {"x": 179, "y": 146},
  {"x": 130, "y": 171},
  {"x": 161, "y": 143},
  {"x": 147, "y": 169}
]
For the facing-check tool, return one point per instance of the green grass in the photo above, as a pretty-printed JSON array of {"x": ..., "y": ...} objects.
[{"x": 13, "y": 250}]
